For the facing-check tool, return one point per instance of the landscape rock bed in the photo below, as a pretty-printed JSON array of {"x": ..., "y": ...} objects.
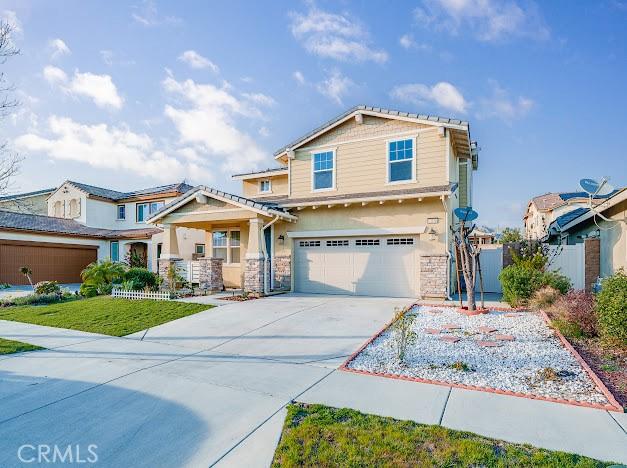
[{"x": 510, "y": 352}]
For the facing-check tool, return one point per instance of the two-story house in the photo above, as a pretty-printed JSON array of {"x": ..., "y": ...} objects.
[
  {"x": 361, "y": 205},
  {"x": 85, "y": 223}
]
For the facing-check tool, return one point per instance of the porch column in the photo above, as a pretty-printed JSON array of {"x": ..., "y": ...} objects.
[
  {"x": 210, "y": 274},
  {"x": 254, "y": 261},
  {"x": 169, "y": 253}
]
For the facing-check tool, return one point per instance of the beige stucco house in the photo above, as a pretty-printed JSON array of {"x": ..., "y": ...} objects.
[
  {"x": 29, "y": 202},
  {"x": 361, "y": 205}
]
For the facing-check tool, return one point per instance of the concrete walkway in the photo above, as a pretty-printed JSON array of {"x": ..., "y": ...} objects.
[{"x": 212, "y": 388}]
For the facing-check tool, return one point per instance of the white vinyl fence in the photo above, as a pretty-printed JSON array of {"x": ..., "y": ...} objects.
[
  {"x": 129, "y": 294},
  {"x": 491, "y": 265},
  {"x": 569, "y": 260}
]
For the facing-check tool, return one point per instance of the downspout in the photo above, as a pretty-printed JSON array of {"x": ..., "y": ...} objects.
[
  {"x": 266, "y": 288},
  {"x": 448, "y": 251}
]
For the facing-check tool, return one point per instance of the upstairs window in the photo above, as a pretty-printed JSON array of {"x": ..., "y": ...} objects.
[
  {"x": 144, "y": 210},
  {"x": 323, "y": 167},
  {"x": 265, "y": 186},
  {"x": 401, "y": 158},
  {"x": 121, "y": 212}
]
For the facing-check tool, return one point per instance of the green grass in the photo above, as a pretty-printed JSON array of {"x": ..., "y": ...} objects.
[
  {"x": 104, "y": 314},
  {"x": 316, "y": 435},
  {"x": 10, "y": 347}
]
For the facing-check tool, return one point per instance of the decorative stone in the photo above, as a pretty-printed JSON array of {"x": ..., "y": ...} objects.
[
  {"x": 486, "y": 329},
  {"x": 451, "y": 326},
  {"x": 253, "y": 275},
  {"x": 434, "y": 312},
  {"x": 282, "y": 267},
  {"x": 488, "y": 344},
  {"x": 432, "y": 331},
  {"x": 450, "y": 339},
  {"x": 164, "y": 266},
  {"x": 512, "y": 315},
  {"x": 210, "y": 274},
  {"x": 433, "y": 277},
  {"x": 504, "y": 337}
]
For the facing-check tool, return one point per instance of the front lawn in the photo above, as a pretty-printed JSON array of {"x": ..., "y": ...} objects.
[
  {"x": 10, "y": 347},
  {"x": 316, "y": 435},
  {"x": 103, "y": 314}
]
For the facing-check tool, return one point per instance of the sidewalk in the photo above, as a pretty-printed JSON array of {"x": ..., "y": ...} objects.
[{"x": 591, "y": 432}]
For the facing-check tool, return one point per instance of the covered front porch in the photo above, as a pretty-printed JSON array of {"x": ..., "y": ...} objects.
[{"x": 245, "y": 242}]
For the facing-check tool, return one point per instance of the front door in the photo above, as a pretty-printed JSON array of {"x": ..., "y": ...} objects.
[{"x": 267, "y": 236}]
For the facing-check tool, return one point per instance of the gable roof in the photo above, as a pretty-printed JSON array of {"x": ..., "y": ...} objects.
[
  {"x": 11, "y": 220},
  {"x": 17, "y": 196},
  {"x": 267, "y": 208},
  {"x": 115, "y": 195},
  {"x": 552, "y": 200},
  {"x": 566, "y": 218},
  {"x": 270, "y": 172},
  {"x": 369, "y": 110}
]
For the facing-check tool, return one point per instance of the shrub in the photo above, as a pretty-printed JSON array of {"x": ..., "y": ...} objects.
[
  {"x": 88, "y": 290},
  {"x": 36, "y": 299},
  {"x": 47, "y": 287},
  {"x": 544, "y": 297},
  {"x": 574, "y": 314},
  {"x": 612, "y": 307},
  {"x": 403, "y": 334},
  {"x": 99, "y": 277},
  {"x": 141, "y": 278},
  {"x": 556, "y": 281},
  {"x": 5, "y": 285},
  {"x": 521, "y": 281}
]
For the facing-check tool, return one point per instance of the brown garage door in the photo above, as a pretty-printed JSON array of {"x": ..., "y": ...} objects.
[{"x": 48, "y": 261}]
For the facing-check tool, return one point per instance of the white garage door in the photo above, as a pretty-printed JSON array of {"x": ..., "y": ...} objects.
[{"x": 368, "y": 266}]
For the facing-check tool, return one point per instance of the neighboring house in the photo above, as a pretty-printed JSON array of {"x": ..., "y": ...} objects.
[
  {"x": 482, "y": 236},
  {"x": 85, "y": 223},
  {"x": 30, "y": 202},
  {"x": 583, "y": 223},
  {"x": 360, "y": 205},
  {"x": 544, "y": 209}
]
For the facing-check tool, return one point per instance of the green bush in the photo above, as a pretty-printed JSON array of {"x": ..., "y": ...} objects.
[
  {"x": 611, "y": 307},
  {"x": 47, "y": 287},
  {"x": 99, "y": 277},
  {"x": 88, "y": 290},
  {"x": 38, "y": 299},
  {"x": 520, "y": 282},
  {"x": 141, "y": 278}
]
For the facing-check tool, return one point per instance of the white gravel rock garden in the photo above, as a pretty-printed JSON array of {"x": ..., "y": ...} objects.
[{"x": 508, "y": 351}]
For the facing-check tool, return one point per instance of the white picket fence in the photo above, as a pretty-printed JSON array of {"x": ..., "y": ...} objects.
[
  {"x": 190, "y": 270},
  {"x": 569, "y": 260},
  {"x": 129, "y": 294}
]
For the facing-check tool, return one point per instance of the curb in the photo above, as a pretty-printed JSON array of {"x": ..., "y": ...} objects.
[{"x": 613, "y": 405}]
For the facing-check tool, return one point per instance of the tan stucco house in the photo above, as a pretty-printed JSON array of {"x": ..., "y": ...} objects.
[{"x": 361, "y": 205}]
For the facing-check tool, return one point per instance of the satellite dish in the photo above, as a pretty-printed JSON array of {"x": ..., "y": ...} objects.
[
  {"x": 594, "y": 188},
  {"x": 466, "y": 214}
]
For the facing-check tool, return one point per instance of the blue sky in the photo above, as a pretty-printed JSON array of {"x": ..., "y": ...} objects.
[{"x": 155, "y": 92}]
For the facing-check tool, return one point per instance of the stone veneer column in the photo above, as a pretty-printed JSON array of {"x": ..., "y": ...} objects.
[
  {"x": 164, "y": 266},
  {"x": 282, "y": 267},
  {"x": 592, "y": 262},
  {"x": 210, "y": 274},
  {"x": 433, "y": 279},
  {"x": 254, "y": 262}
]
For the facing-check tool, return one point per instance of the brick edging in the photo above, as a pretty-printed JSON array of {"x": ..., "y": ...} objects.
[{"x": 612, "y": 406}]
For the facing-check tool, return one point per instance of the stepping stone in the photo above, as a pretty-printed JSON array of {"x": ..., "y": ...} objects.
[
  {"x": 434, "y": 311},
  {"x": 432, "y": 331},
  {"x": 451, "y": 326},
  {"x": 504, "y": 337},
  {"x": 488, "y": 344},
  {"x": 512, "y": 315},
  {"x": 450, "y": 339},
  {"x": 486, "y": 329}
]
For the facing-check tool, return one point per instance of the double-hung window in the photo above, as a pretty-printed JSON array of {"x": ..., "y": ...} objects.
[
  {"x": 323, "y": 170},
  {"x": 265, "y": 186},
  {"x": 226, "y": 245},
  {"x": 401, "y": 158},
  {"x": 121, "y": 212}
]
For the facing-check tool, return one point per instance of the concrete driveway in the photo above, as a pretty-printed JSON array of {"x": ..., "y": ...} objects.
[{"x": 187, "y": 393}]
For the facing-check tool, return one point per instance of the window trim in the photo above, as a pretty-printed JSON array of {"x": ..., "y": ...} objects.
[
  {"x": 203, "y": 249},
  {"x": 269, "y": 186},
  {"x": 117, "y": 212},
  {"x": 413, "y": 179},
  {"x": 228, "y": 246},
  {"x": 333, "y": 170},
  {"x": 111, "y": 250}
]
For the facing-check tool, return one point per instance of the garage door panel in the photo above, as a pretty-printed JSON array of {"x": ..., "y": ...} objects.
[{"x": 356, "y": 266}]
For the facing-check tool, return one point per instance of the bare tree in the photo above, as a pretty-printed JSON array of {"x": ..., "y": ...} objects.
[{"x": 9, "y": 161}]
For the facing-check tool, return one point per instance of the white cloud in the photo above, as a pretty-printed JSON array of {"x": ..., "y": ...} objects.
[
  {"x": 486, "y": 20},
  {"x": 210, "y": 123},
  {"x": 299, "y": 77},
  {"x": 100, "y": 88},
  {"x": 58, "y": 48},
  {"x": 260, "y": 99},
  {"x": 503, "y": 106},
  {"x": 148, "y": 15},
  {"x": 442, "y": 94},
  {"x": 335, "y": 86},
  {"x": 195, "y": 60},
  {"x": 264, "y": 132},
  {"x": 102, "y": 146},
  {"x": 54, "y": 75},
  {"x": 334, "y": 36},
  {"x": 407, "y": 42},
  {"x": 110, "y": 58}
]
